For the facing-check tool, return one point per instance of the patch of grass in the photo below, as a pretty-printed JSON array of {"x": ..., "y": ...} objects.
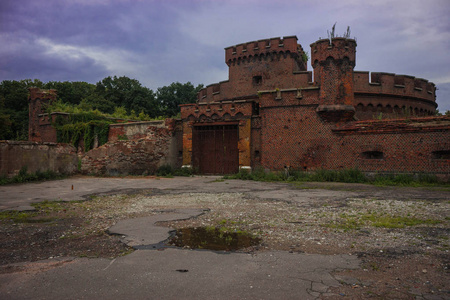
[
  {"x": 24, "y": 176},
  {"x": 23, "y": 217},
  {"x": 48, "y": 205},
  {"x": 168, "y": 171},
  {"x": 352, "y": 222},
  {"x": 398, "y": 222},
  {"x": 17, "y": 216},
  {"x": 36, "y": 216},
  {"x": 346, "y": 224},
  {"x": 346, "y": 176}
]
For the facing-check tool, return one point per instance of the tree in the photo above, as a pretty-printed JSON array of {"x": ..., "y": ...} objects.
[
  {"x": 128, "y": 93},
  {"x": 14, "y": 108},
  {"x": 170, "y": 97},
  {"x": 96, "y": 101},
  {"x": 71, "y": 92}
]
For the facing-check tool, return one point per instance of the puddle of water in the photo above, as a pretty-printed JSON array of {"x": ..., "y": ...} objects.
[{"x": 212, "y": 238}]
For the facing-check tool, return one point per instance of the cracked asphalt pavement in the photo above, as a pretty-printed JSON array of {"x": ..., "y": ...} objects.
[{"x": 173, "y": 273}]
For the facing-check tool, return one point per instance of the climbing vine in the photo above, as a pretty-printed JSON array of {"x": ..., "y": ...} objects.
[{"x": 84, "y": 126}]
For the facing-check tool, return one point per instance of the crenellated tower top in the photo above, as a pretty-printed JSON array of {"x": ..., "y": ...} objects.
[
  {"x": 333, "y": 61},
  {"x": 337, "y": 48},
  {"x": 287, "y": 44}
]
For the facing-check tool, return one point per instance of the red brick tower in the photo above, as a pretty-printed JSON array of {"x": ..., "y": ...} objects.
[
  {"x": 333, "y": 62},
  {"x": 37, "y": 99}
]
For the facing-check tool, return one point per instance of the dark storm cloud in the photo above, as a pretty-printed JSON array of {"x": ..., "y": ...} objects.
[{"x": 160, "y": 42}]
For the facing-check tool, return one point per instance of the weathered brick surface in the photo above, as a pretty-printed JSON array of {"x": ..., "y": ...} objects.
[
  {"x": 300, "y": 139},
  {"x": 132, "y": 131},
  {"x": 14, "y": 155},
  {"x": 39, "y": 128},
  {"x": 287, "y": 120},
  {"x": 138, "y": 156},
  {"x": 389, "y": 95},
  {"x": 385, "y": 95}
]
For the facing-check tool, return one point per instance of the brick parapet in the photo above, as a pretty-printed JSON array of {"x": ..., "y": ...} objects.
[
  {"x": 288, "y": 97},
  {"x": 222, "y": 91},
  {"x": 337, "y": 48},
  {"x": 37, "y": 93},
  {"x": 264, "y": 46},
  {"x": 248, "y": 69},
  {"x": 226, "y": 110},
  {"x": 429, "y": 124},
  {"x": 401, "y": 87}
]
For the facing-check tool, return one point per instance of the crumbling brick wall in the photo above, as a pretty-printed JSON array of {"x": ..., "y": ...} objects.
[
  {"x": 15, "y": 155},
  {"x": 138, "y": 156},
  {"x": 39, "y": 124}
]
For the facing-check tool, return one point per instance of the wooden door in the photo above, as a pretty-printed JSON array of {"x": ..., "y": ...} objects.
[{"x": 215, "y": 149}]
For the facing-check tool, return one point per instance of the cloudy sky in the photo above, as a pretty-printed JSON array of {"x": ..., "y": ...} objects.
[{"x": 159, "y": 42}]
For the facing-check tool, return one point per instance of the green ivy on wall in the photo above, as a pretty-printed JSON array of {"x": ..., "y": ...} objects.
[{"x": 87, "y": 125}]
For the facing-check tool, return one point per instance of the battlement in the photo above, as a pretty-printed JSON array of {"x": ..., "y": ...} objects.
[
  {"x": 337, "y": 49},
  {"x": 37, "y": 93},
  {"x": 428, "y": 124},
  {"x": 287, "y": 44},
  {"x": 224, "y": 90},
  {"x": 393, "y": 84},
  {"x": 217, "y": 111}
]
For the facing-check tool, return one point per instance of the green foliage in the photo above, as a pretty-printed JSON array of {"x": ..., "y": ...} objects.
[
  {"x": 422, "y": 179},
  {"x": 121, "y": 113},
  {"x": 355, "y": 222},
  {"x": 348, "y": 176},
  {"x": 169, "y": 97},
  {"x": 129, "y": 94},
  {"x": 165, "y": 170},
  {"x": 305, "y": 56},
  {"x": 351, "y": 175},
  {"x": 24, "y": 176},
  {"x": 168, "y": 171},
  {"x": 14, "y": 108},
  {"x": 71, "y": 92},
  {"x": 74, "y": 127},
  {"x": 135, "y": 102}
]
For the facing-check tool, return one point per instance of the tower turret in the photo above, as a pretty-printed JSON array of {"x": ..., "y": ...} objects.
[
  {"x": 37, "y": 99},
  {"x": 333, "y": 61}
]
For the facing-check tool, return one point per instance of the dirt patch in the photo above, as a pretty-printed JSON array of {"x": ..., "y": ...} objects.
[
  {"x": 399, "y": 276},
  {"x": 61, "y": 234},
  {"x": 403, "y": 241}
]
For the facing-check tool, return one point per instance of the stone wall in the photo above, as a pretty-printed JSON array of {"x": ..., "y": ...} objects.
[
  {"x": 132, "y": 131},
  {"x": 156, "y": 146},
  {"x": 298, "y": 137},
  {"x": 15, "y": 155}
]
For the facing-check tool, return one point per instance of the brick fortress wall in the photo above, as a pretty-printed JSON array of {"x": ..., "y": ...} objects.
[
  {"x": 15, "y": 155},
  {"x": 296, "y": 136},
  {"x": 309, "y": 125}
]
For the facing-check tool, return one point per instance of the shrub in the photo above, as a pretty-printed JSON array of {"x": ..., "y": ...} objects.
[
  {"x": 24, "y": 176},
  {"x": 164, "y": 170}
]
